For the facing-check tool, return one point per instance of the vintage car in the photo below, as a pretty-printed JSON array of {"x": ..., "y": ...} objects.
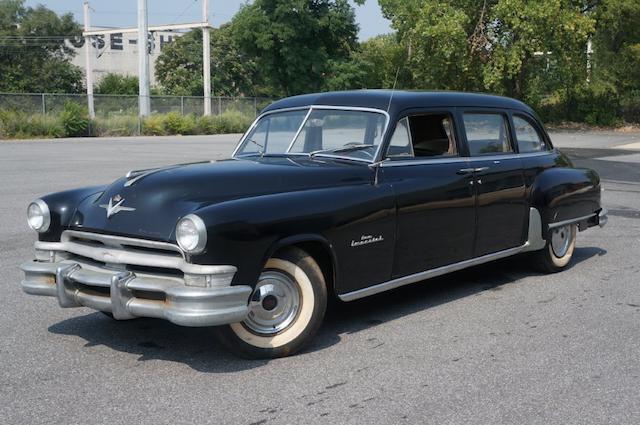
[{"x": 344, "y": 194}]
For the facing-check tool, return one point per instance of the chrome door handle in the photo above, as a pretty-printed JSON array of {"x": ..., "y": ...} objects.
[
  {"x": 466, "y": 170},
  {"x": 480, "y": 169}
]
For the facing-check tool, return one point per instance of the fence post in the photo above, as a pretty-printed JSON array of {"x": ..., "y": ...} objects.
[
  {"x": 44, "y": 106},
  {"x": 255, "y": 107},
  {"x": 219, "y": 105},
  {"x": 182, "y": 105}
]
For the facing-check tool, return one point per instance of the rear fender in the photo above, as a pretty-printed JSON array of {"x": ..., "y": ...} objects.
[{"x": 566, "y": 195}]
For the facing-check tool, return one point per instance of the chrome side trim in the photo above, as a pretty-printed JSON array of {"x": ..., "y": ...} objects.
[
  {"x": 458, "y": 159},
  {"x": 571, "y": 221},
  {"x": 534, "y": 242},
  {"x": 406, "y": 280}
]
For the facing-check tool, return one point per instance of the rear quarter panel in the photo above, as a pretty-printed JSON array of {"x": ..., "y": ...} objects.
[{"x": 559, "y": 191}]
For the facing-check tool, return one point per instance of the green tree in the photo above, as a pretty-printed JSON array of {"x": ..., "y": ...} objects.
[
  {"x": 179, "y": 66},
  {"x": 117, "y": 84},
  {"x": 503, "y": 46},
  {"x": 374, "y": 64},
  {"x": 295, "y": 43},
  {"x": 616, "y": 57},
  {"x": 34, "y": 56}
]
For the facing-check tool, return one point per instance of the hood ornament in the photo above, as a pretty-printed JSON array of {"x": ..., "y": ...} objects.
[{"x": 113, "y": 209}]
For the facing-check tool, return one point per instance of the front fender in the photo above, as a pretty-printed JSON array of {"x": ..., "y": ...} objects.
[
  {"x": 63, "y": 206},
  {"x": 562, "y": 194},
  {"x": 245, "y": 232}
]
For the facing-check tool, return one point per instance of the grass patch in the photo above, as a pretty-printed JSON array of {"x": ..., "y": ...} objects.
[{"x": 73, "y": 121}]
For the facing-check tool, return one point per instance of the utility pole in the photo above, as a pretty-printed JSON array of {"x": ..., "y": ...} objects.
[
  {"x": 206, "y": 57},
  {"x": 87, "y": 61},
  {"x": 144, "y": 102}
]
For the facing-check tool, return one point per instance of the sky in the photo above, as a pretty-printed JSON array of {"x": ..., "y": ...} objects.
[{"x": 122, "y": 13}]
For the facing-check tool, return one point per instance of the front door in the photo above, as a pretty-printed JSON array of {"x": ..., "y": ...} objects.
[{"x": 435, "y": 203}]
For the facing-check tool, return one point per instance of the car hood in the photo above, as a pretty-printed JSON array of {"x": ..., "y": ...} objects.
[{"x": 150, "y": 206}]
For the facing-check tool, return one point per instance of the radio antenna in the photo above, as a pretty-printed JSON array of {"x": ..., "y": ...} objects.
[{"x": 393, "y": 90}]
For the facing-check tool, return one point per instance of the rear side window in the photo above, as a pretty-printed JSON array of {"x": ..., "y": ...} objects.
[
  {"x": 529, "y": 140},
  {"x": 487, "y": 134}
]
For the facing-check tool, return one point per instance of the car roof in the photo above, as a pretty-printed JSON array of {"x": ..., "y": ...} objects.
[{"x": 399, "y": 100}]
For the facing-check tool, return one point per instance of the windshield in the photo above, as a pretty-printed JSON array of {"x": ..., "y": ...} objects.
[{"x": 352, "y": 134}]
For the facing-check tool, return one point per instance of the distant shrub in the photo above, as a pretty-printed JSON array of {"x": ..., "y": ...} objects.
[
  {"x": 118, "y": 126},
  {"x": 74, "y": 119},
  {"x": 229, "y": 122},
  {"x": 18, "y": 125},
  {"x": 153, "y": 126},
  {"x": 175, "y": 123}
]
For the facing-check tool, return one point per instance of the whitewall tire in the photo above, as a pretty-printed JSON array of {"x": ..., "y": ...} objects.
[
  {"x": 557, "y": 253},
  {"x": 286, "y": 308}
]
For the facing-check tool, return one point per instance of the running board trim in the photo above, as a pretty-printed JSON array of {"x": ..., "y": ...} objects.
[{"x": 406, "y": 280}]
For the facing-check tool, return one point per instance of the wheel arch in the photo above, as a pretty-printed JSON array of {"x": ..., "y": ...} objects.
[{"x": 318, "y": 247}]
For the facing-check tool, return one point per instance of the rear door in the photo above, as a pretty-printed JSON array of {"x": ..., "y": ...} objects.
[{"x": 498, "y": 180}]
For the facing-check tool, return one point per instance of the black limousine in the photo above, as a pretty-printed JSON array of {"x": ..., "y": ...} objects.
[{"x": 343, "y": 194}]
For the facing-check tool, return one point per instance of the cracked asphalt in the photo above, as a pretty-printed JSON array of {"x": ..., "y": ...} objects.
[{"x": 495, "y": 344}]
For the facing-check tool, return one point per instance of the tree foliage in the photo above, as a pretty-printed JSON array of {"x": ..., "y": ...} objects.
[
  {"x": 117, "y": 84},
  {"x": 179, "y": 66},
  {"x": 296, "y": 43},
  {"x": 33, "y": 53}
]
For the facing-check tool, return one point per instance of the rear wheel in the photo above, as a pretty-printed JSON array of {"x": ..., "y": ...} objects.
[
  {"x": 286, "y": 308},
  {"x": 558, "y": 252}
]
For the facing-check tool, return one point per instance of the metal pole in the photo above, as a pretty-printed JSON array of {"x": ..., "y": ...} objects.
[
  {"x": 44, "y": 105},
  {"x": 87, "y": 61},
  {"x": 144, "y": 103},
  {"x": 206, "y": 58},
  {"x": 181, "y": 105}
]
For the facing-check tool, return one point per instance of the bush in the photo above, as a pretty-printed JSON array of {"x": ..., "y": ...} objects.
[
  {"x": 75, "y": 120},
  {"x": 229, "y": 122},
  {"x": 118, "y": 126},
  {"x": 174, "y": 123},
  {"x": 153, "y": 126},
  {"x": 593, "y": 104},
  {"x": 19, "y": 125}
]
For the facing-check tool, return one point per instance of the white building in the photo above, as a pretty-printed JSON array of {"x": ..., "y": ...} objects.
[{"x": 117, "y": 53}]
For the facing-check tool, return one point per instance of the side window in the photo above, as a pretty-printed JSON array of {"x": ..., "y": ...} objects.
[
  {"x": 487, "y": 133},
  {"x": 529, "y": 140},
  {"x": 432, "y": 135},
  {"x": 400, "y": 145},
  {"x": 423, "y": 136}
]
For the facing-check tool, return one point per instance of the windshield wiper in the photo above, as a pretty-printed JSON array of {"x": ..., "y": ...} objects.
[
  {"x": 345, "y": 148},
  {"x": 261, "y": 151}
]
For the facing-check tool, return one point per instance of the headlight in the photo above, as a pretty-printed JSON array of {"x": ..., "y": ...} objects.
[
  {"x": 191, "y": 234},
  {"x": 38, "y": 216}
]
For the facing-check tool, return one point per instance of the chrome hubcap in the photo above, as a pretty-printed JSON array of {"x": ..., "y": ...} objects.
[
  {"x": 560, "y": 240},
  {"x": 274, "y": 304}
]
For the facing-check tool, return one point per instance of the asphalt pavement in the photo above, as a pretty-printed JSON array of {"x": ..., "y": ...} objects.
[{"x": 496, "y": 344}]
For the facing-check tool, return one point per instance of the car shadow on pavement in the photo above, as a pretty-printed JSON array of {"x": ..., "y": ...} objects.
[{"x": 197, "y": 348}]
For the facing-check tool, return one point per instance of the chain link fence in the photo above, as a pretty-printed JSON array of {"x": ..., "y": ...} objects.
[{"x": 107, "y": 106}]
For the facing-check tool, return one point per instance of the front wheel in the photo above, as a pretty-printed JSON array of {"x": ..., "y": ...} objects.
[
  {"x": 557, "y": 254},
  {"x": 286, "y": 309}
]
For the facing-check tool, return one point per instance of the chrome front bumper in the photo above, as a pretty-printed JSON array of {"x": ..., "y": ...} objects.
[
  {"x": 127, "y": 296},
  {"x": 128, "y": 279}
]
